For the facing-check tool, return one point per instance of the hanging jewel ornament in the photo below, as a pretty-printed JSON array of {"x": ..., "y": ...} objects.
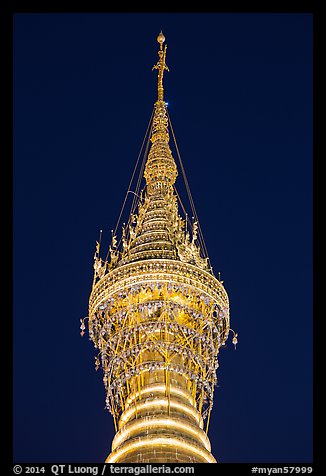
[
  {"x": 235, "y": 340},
  {"x": 82, "y": 327}
]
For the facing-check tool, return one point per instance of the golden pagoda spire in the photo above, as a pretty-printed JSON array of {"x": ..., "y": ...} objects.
[
  {"x": 161, "y": 66},
  {"x": 158, "y": 317}
]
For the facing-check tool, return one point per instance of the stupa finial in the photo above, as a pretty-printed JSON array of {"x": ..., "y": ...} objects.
[{"x": 161, "y": 66}]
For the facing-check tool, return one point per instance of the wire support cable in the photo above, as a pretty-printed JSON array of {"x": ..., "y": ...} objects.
[
  {"x": 191, "y": 201},
  {"x": 133, "y": 206}
]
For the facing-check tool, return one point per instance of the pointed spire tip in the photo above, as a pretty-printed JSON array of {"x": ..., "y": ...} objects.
[
  {"x": 161, "y": 65},
  {"x": 161, "y": 38}
]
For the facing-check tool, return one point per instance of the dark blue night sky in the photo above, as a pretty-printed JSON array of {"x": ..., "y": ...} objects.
[{"x": 240, "y": 101}]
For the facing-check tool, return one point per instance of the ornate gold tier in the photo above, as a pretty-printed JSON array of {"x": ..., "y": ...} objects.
[{"x": 159, "y": 325}]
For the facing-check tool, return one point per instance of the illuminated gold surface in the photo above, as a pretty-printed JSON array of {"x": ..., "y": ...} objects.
[
  {"x": 161, "y": 423},
  {"x": 159, "y": 388},
  {"x": 154, "y": 406},
  {"x": 176, "y": 444},
  {"x": 158, "y": 316}
]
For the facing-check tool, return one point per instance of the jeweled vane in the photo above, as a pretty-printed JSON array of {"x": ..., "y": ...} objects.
[{"x": 158, "y": 316}]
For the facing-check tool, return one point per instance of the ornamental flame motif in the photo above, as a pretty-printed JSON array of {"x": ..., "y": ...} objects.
[{"x": 158, "y": 317}]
